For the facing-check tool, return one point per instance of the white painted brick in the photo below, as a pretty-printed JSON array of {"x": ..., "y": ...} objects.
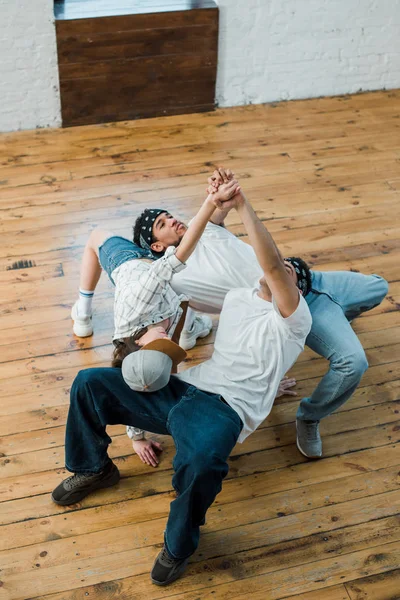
[
  {"x": 284, "y": 49},
  {"x": 29, "y": 89}
]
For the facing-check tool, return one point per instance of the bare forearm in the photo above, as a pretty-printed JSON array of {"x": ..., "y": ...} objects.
[
  {"x": 195, "y": 230},
  {"x": 279, "y": 285},
  {"x": 219, "y": 217},
  {"x": 263, "y": 244}
]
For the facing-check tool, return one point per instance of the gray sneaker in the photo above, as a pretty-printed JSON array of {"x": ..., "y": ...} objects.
[
  {"x": 78, "y": 486},
  {"x": 308, "y": 438},
  {"x": 167, "y": 569},
  {"x": 201, "y": 327}
]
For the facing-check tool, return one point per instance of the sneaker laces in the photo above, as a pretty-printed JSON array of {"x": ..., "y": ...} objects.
[
  {"x": 76, "y": 480},
  {"x": 167, "y": 559},
  {"x": 312, "y": 431}
]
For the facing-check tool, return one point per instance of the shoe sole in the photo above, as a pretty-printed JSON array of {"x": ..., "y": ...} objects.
[
  {"x": 81, "y": 333},
  {"x": 204, "y": 333},
  {"x": 76, "y": 328},
  {"x": 114, "y": 479},
  {"x": 174, "y": 578}
]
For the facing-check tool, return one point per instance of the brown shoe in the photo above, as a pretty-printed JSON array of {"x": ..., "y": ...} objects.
[
  {"x": 167, "y": 569},
  {"x": 78, "y": 486}
]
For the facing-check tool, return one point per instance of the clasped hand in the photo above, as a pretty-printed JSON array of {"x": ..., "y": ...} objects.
[{"x": 224, "y": 189}]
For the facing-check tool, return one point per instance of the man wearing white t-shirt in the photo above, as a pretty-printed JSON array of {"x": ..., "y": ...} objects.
[
  {"x": 261, "y": 333},
  {"x": 206, "y": 410},
  {"x": 222, "y": 262},
  {"x": 256, "y": 344}
]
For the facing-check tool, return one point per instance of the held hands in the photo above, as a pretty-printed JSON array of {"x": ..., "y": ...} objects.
[
  {"x": 147, "y": 451},
  {"x": 218, "y": 182},
  {"x": 225, "y": 192},
  {"x": 220, "y": 176}
]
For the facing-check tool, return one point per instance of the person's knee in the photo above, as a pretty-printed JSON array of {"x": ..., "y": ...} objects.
[
  {"x": 382, "y": 288},
  {"x": 97, "y": 237},
  {"x": 82, "y": 378},
  {"x": 82, "y": 382},
  {"x": 205, "y": 463},
  {"x": 385, "y": 286},
  {"x": 354, "y": 364}
]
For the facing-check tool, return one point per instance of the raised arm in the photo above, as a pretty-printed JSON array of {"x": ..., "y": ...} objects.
[
  {"x": 219, "y": 216},
  {"x": 279, "y": 282},
  {"x": 198, "y": 224}
]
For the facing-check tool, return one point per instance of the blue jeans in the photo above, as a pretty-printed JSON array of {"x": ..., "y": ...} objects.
[
  {"x": 336, "y": 298},
  {"x": 117, "y": 250},
  {"x": 204, "y": 430}
]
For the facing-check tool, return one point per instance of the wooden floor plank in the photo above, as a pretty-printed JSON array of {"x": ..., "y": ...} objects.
[
  {"x": 337, "y": 592},
  {"x": 384, "y": 586}
]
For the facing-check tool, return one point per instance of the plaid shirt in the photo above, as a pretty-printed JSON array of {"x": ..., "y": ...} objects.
[{"x": 143, "y": 295}]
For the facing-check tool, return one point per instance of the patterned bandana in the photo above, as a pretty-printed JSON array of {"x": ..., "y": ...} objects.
[
  {"x": 303, "y": 274},
  {"x": 146, "y": 231}
]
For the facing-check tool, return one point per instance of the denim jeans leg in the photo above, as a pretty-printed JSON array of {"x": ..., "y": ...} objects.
[
  {"x": 336, "y": 298},
  {"x": 332, "y": 337},
  {"x": 100, "y": 397},
  {"x": 205, "y": 430},
  {"x": 354, "y": 292}
]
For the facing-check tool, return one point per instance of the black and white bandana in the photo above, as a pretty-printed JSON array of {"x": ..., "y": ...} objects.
[
  {"x": 303, "y": 274},
  {"x": 146, "y": 231}
]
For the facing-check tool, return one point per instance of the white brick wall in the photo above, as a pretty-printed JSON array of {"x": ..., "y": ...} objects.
[
  {"x": 273, "y": 50},
  {"x": 29, "y": 91},
  {"x": 269, "y": 50}
]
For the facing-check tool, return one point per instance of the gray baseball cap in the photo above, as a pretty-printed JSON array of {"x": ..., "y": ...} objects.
[{"x": 149, "y": 369}]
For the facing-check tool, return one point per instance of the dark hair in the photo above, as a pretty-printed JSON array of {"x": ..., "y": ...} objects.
[
  {"x": 138, "y": 227},
  {"x": 126, "y": 346}
]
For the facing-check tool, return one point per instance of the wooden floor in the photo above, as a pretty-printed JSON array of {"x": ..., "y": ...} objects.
[{"x": 325, "y": 176}]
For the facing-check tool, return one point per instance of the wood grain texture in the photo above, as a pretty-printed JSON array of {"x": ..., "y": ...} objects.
[{"x": 324, "y": 176}]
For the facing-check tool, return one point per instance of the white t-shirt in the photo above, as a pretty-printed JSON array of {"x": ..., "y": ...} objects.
[
  {"x": 219, "y": 263},
  {"x": 254, "y": 348}
]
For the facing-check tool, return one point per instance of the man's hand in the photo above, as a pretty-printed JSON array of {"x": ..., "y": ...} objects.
[
  {"x": 147, "y": 451},
  {"x": 234, "y": 202},
  {"x": 220, "y": 176},
  {"x": 224, "y": 193},
  {"x": 284, "y": 387}
]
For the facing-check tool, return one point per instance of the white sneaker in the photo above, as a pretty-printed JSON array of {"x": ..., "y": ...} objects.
[
  {"x": 83, "y": 326},
  {"x": 201, "y": 327}
]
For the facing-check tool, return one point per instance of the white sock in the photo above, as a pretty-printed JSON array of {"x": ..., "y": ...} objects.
[
  {"x": 85, "y": 302},
  {"x": 189, "y": 319}
]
